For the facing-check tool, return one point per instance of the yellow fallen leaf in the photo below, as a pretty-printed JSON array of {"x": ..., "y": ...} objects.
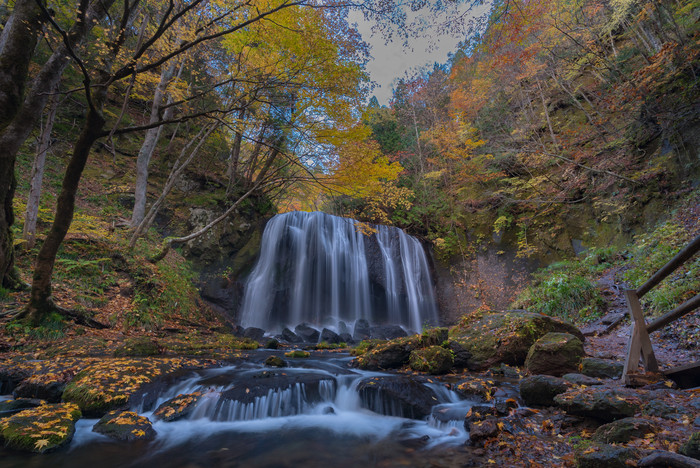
[{"x": 40, "y": 444}]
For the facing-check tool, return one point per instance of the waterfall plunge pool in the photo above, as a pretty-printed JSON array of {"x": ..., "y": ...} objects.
[{"x": 316, "y": 412}]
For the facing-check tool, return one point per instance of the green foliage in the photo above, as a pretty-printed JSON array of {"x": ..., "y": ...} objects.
[{"x": 364, "y": 346}]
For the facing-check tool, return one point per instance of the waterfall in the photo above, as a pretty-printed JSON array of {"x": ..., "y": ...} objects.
[{"x": 321, "y": 269}]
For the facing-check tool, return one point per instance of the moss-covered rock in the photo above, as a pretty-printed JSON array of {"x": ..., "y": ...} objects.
[
  {"x": 125, "y": 426},
  {"x": 601, "y": 368},
  {"x": 504, "y": 337},
  {"x": 297, "y": 353},
  {"x": 605, "y": 456},
  {"x": 107, "y": 385},
  {"x": 275, "y": 361},
  {"x": 47, "y": 386},
  {"x": 476, "y": 388},
  {"x": 40, "y": 429},
  {"x": 434, "y": 337},
  {"x": 433, "y": 360},
  {"x": 624, "y": 430},
  {"x": 540, "y": 390},
  {"x": 10, "y": 407},
  {"x": 389, "y": 354},
  {"x": 140, "y": 346},
  {"x": 692, "y": 447},
  {"x": 555, "y": 354},
  {"x": 599, "y": 403},
  {"x": 178, "y": 407}
]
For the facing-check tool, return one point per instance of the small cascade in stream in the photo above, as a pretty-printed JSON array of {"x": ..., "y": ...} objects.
[{"x": 321, "y": 269}]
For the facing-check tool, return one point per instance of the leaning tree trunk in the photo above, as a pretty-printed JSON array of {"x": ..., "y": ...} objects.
[{"x": 40, "y": 302}]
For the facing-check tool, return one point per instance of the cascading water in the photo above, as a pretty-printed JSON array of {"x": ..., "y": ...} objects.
[{"x": 321, "y": 269}]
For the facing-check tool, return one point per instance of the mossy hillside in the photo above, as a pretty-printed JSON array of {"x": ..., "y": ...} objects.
[{"x": 40, "y": 429}]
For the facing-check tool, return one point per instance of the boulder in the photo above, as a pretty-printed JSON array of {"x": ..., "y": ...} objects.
[
  {"x": 540, "y": 390},
  {"x": 397, "y": 396},
  {"x": 275, "y": 361},
  {"x": 555, "y": 354},
  {"x": 254, "y": 333},
  {"x": 178, "y": 407},
  {"x": 346, "y": 338},
  {"x": 462, "y": 356},
  {"x": 387, "y": 332},
  {"x": 388, "y": 355},
  {"x": 329, "y": 336},
  {"x": 47, "y": 386},
  {"x": 482, "y": 430},
  {"x": 692, "y": 447},
  {"x": 272, "y": 344},
  {"x": 434, "y": 337},
  {"x": 504, "y": 337},
  {"x": 307, "y": 333},
  {"x": 624, "y": 430},
  {"x": 125, "y": 426},
  {"x": 475, "y": 389},
  {"x": 601, "y": 368},
  {"x": 599, "y": 403},
  {"x": 290, "y": 337},
  {"x": 10, "y": 407},
  {"x": 41, "y": 429},
  {"x": 660, "y": 409},
  {"x": 343, "y": 328},
  {"x": 433, "y": 360},
  {"x": 580, "y": 379},
  {"x": 605, "y": 456},
  {"x": 362, "y": 330}
]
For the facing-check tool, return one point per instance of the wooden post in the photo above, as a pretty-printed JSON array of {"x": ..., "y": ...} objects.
[{"x": 639, "y": 344}]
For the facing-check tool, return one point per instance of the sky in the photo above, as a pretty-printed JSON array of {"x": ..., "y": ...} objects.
[{"x": 392, "y": 61}]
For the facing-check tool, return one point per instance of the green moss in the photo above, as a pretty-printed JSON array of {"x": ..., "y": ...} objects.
[
  {"x": 139, "y": 346},
  {"x": 40, "y": 429},
  {"x": 297, "y": 353},
  {"x": 433, "y": 360},
  {"x": 364, "y": 346}
]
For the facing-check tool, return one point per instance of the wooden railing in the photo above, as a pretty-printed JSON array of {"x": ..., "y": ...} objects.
[{"x": 639, "y": 345}]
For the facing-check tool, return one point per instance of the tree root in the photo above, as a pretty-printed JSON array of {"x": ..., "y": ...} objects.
[{"x": 35, "y": 316}]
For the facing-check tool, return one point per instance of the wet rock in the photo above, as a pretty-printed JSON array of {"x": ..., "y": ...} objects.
[
  {"x": 125, "y": 426},
  {"x": 664, "y": 459},
  {"x": 387, "y": 332},
  {"x": 433, "y": 360},
  {"x": 275, "y": 361},
  {"x": 601, "y": 368},
  {"x": 179, "y": 407},
  {"x": 660, "y": 409},
  {"x": 482, "y": 430},
  {"x": 307, "y": 333},
  {"x": 692, "y": 447},
  {"x": 540, "y": 390},
  {"x": 41, "y": 429},
  {"x": 397, "y": 396},
  {"x": 433, "y": 337},
  {"x": 290, "y": 337},
  {"x": 388, "y": 355},
  {"x": 362, "y": 330},
  {"x": 605, "y": 456},
  {"x": 254, "y": 333},
  {"x": 48, "y": 386},
  {"x": 10, "y": 377},
  {"x": 343, "y": 328},
  {"x": 580, "y": 379},
  {"x": 506, "y": 371},
  {"x": 462, "y": 356},
  {"x": 504, "y": 405},
  {"x": 346, "y": 338},
  {"x": 479, "y": 413},
  {"x": 329, "y": 336},
  {"x": 624, "y": 430},
  {"x": 504, "y": 337},
  {"x": 10, "y": 407},
  {"x": 260, "y": 384},
  {"x": 475, "y": 388},
  {"x": 555, "y": 354},
  {"x": 598, "y": 403},
  {"x": 138, "y": 347}
]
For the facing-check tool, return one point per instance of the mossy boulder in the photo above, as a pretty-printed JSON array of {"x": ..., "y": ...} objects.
[
  {"x": 555, "y": 354},
  {"x": 140, "y": 346},
  {"x": 178, "y": 407},
  {"x": 601, "y": 368},
  {"x": 434, "y": 337},
  {"x": 605, "y": 456},
  {"x": 504, "y": 337},
  {"x": 600, "y": 403},
  {"x": 297, "y": 353},
  {"x": 624, "y": 430},
  {"x": 389, "y": 354},
  {"x": 275, "y": 361},
  {"x": 125, "y": 426},
  {"x": 475, "y": 388},
  {"x": 540, "y": 390},
  {"x": 10, "y": 407},
  {"x": 41, "y": 429},
  {"x": 433, "y": 360},
  {"x": 692, "y": 447},
  {"x": 47, "y": 386}
]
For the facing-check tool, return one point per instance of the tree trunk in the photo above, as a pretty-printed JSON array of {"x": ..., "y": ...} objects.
[
  {"x": 546, "y": 114},
  {"x": 32, "y": 212},
  {"x": 149, "y": 146},
  {"x": 235, "y": 154},
  {"x": 40, "y": 302}
]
